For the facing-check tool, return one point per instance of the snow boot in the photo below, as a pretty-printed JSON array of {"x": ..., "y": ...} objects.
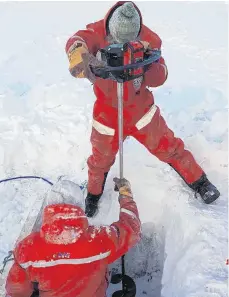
[
  {"x": 206, "y": 189},
  {"x": 91, "y": 202},
  {"x": 35, "y": 294}
]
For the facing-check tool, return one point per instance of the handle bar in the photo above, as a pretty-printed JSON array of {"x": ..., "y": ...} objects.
[{"x": 153, "y": 57}]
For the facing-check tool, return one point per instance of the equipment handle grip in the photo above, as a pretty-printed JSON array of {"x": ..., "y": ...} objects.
[{"x": 103, "y": 72}]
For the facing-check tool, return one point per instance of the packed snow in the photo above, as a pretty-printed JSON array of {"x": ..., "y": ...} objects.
[{"x": 45, "y": 124}]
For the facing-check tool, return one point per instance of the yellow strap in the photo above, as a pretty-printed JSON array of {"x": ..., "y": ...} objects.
[
  {"x": 75, "y": 55},
  {"x": 125, "y": 191},
  {"x": 81, "y": 75}
]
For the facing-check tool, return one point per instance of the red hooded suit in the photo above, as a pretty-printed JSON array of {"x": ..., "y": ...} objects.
[
  {"x": 67, "y": 257},
  {"x": 142, "y": 118}
]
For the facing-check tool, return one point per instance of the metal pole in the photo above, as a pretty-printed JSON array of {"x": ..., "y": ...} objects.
[
  {"x": 120, "y": 126},
  {"x": 120, "y": 133}
]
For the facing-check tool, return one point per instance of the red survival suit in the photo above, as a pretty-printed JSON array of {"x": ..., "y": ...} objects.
[
  {"x": 67, "y": 257},
  {"x": 142, "y": 118}
]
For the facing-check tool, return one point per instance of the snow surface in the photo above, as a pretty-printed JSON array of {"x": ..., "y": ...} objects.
[{"x": 45, "y": 124}]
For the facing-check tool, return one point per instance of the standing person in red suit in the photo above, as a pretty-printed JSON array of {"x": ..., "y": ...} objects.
[
  {"x": 142, "y": 118},
  {"x": 67, "y": 257}
]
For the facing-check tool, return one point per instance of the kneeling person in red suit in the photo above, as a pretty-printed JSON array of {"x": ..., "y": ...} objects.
[{"x": 67, "y": 257}]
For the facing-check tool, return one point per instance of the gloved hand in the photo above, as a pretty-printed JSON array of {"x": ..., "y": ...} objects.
[
  {"x": 91, "y": 60},
  {"x": 80, "y": 60},
  {"x": 147, "y": 46},
  {"x": 123, "y": 186}
]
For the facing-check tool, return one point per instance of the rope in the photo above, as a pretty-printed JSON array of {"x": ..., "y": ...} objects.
[
  {"x": 26, "y": 177},
  {"x": 6, "y": 260}
]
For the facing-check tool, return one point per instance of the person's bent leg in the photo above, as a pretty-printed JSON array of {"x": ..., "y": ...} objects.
[{"x": 161, "y": 142}]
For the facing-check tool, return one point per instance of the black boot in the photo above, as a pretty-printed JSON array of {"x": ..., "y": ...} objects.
[
  {"x": 91, "y": 202},
  {"x": 206, "y": 189},
  {"x": 35, "y": 290}
]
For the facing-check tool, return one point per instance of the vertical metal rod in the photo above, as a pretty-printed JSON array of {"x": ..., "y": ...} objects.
[
  {"x": 120, "y": 126},
  {"x": 120, "y": 133}
]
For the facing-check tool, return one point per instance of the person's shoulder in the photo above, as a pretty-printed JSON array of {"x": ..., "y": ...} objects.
[
  {"x": 148, "y": 35},
  {"x": 100, "y": 232},
  {"x": 27, "y": 244},
  {"x": 100, "y": 237},
  {"x": 96, "y": 26}
]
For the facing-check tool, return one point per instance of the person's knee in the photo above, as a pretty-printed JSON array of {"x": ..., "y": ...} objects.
[
  {"x": 100, "y": 162},
  {"x": 168, "y": 148}
]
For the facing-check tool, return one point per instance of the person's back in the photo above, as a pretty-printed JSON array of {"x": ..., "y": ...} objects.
[{"x": 68, "y": 257}]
